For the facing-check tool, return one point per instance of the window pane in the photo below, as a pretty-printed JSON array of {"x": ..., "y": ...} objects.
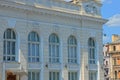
[
  {"x": 8, "y": 58},
  {"x": 4, "y": 46},
  {"x": 37, "y": 50},
  {"x": 33, "y": 49},
  {"x": 8, "y": 34},
  {"x": 92, "y": 75},
  {"x": 29, "y": 76},
  {"x": 8, "y": 47},
  {"x": 33, "y": 59},
  {"x": 29, "y": 49},
  {"x": 37, "y": 76},
  {"x": 54, "y": 76},
  {"x": 32, "y": 36},
  {"x": 13, "y": 35},
  {"x": 53, "y": 50},
  {"x": 13, "y": 48},
  {"x": 33, "y": 76},
  {"x": 57, "y": 51},
  {"x": 72, "y": 75},
  {"x": 13, "y": 58},
  {"x": 50, "y": 50}
]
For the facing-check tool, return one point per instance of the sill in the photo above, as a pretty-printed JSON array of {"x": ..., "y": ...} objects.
[
  {"x": 54, "y": 63},
  {"x": 73, "y": 64},
  {"x": 11, "y": 62},
  {"x": 34, "y": 62}
]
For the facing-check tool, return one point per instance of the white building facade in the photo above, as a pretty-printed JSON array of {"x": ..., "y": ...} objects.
[{"x": 51, "y": 40}]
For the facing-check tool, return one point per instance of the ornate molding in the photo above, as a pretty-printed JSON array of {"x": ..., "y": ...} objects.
[{"x": 49, "y": 11}]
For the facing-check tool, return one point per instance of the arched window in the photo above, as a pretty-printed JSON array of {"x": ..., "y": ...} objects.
[
  {"x": 9, "y": 45},
  {"x": 33, "y": 47},
  {"x": 72, "y": 50},
  {"x": 92, "y": 55},
  {"x": 54, "y": 56}
]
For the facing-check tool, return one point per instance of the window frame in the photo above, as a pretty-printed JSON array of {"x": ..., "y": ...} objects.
[
  {"x": 36, "y": 73},
  {"x": 93, "y": 75},
  {"x": 52, "y": 75},
  {"x": 54, "y": 49},
  {"x": 72, "y": 50},
  {"x": 92, "y": 51},
  {"x": 72, "y": 75},
  {"x": 8, "y": 48},
  {"x": 34, "y": 47}
]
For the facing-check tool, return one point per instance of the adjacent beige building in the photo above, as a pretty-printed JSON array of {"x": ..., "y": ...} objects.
[
  {"x": 51, "y": 40},
  {"x": 114, "y": 57}
]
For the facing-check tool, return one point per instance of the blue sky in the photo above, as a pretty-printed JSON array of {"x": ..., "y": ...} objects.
[{"x": 111, "y": 11}]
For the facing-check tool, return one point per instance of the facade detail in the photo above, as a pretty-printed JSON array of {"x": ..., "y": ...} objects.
[
  {"x": 112, "y": 66},
  {"x": 51, "y": 40},
  {"x": 106, "y": 60}
]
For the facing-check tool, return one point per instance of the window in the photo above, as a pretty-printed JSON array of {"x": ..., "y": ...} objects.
[
  {"x": 72, "y": 50},
  {"x": 115, "y": 74},
  {"x": 114, "y": 48},
  {"x": 92, "y": 54},
  {"x": 107, "y": 63},
  {"x": 33, "y": 47},
  {"x": 94, "y": 10},
  {"x": 54, "y": 76},
  {"x": 114, "y": 61},
  {"x": 92, "y": 75},
  {"x": 9, "y": 45},
  {"x": 72, "y": 76},
  {"x": 33, "y": 75},
  {"x": 106, "y": 54},
  {"x": 54, "y": 56}
]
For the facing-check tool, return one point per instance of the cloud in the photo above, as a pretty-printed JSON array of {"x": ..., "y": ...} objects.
[
  {"x": 107, "y": 1},
  {"x": 114, "y": 21}
]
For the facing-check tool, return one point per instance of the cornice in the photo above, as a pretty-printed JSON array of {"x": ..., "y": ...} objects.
[{"x": 49, "y": 11}]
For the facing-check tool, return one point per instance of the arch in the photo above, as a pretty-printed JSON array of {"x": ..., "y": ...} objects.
[
  {"x": 91, "y": 42},
  {"x": 53, "y": 38},
  {"x": 72, "y": 40},
  {"x": 33, "y": 36},
  {"x": 9, "y": 34}
]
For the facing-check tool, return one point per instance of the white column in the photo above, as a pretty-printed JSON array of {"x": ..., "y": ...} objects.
[
  {"x": 18, "y": 48},
  {"x": 3, "y": 71},
  {"x": 78, "y": 53},
  {"x": 42, "y": 60},
  {"x": 98, "y": 64},
  {"x": 61, "y": 60},
  {"x": 79, "y": 60}
]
